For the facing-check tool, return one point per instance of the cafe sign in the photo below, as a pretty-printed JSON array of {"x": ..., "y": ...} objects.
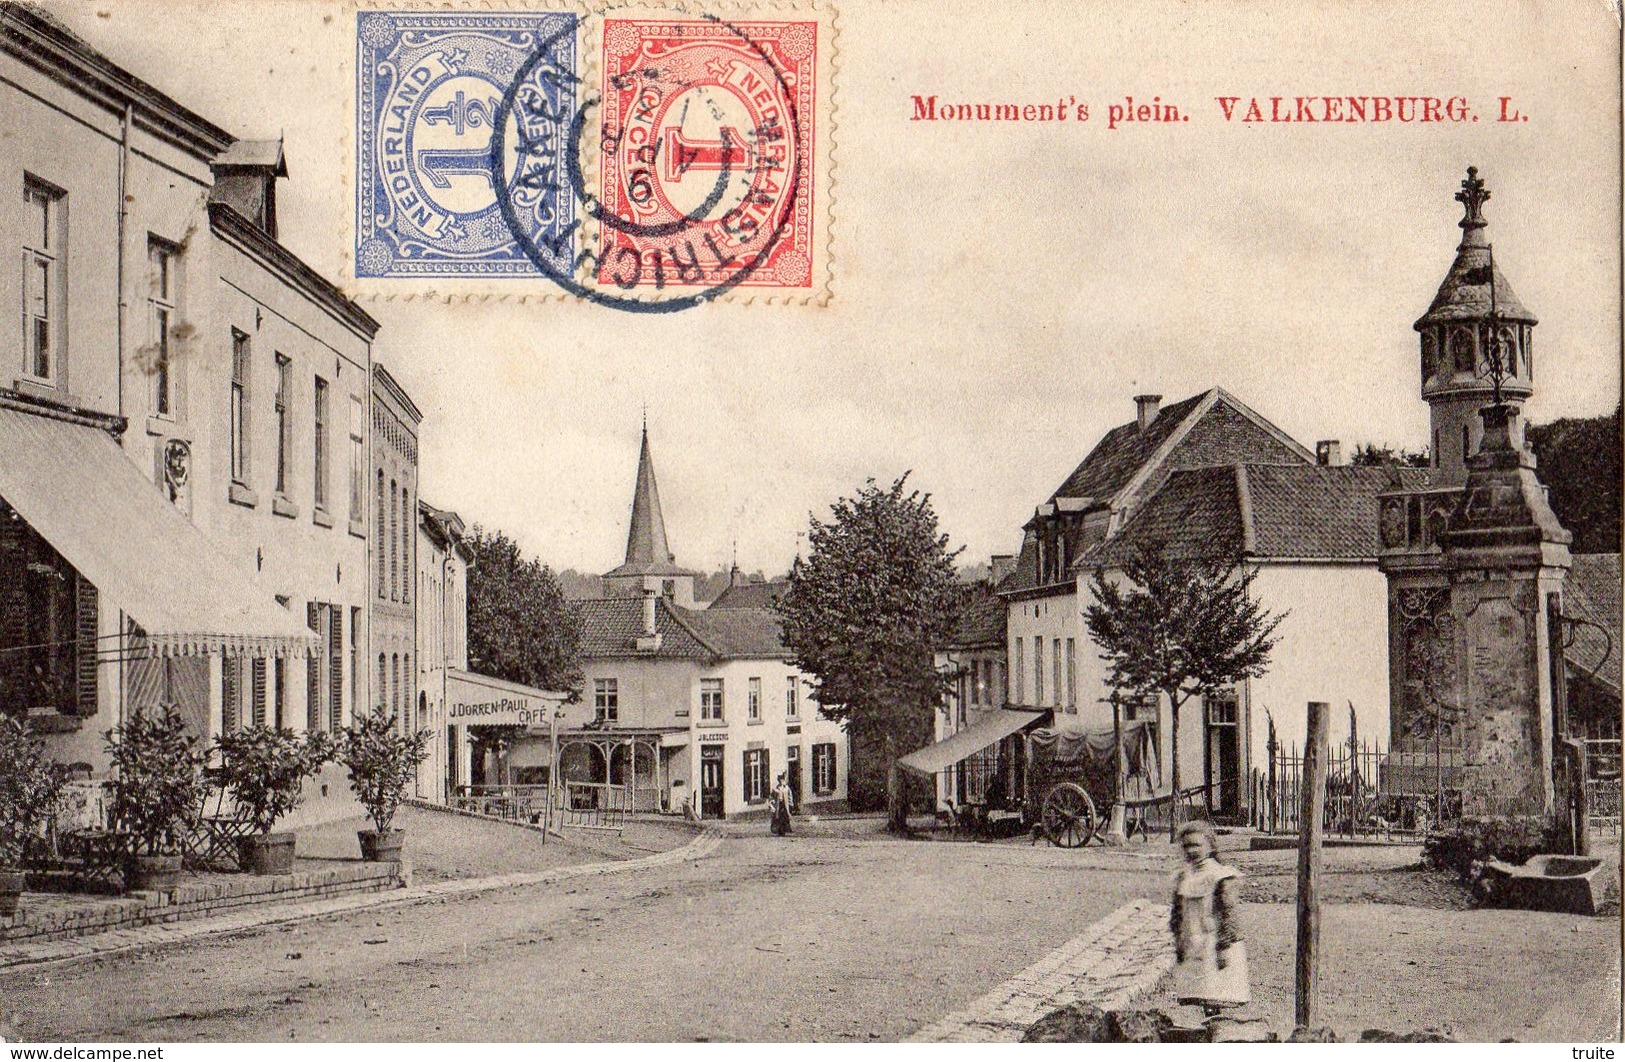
[{"x": 478, "y": 700}]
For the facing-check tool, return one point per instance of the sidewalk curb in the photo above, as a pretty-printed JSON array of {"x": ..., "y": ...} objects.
[
  {"x": 1112, "y": 964},
  {"x": 56, "y": 954}
]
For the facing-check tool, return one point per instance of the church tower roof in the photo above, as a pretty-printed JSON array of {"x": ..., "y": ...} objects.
[
  {"x": 1467, "y": 291},
  {"x": 647, "y": 552}
]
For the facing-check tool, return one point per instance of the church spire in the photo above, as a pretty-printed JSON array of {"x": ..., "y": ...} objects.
[
  {"x": 646, "y": 539},
  {"x": 649, "y": 566}
]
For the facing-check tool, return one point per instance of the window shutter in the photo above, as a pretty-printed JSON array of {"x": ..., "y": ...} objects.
[
  {"x": 87, "y": 614},
  {"x": 257, "y": 684},
  {"x": 335, "y": 666},
  {"x": 229, "y": 694},
  {"x": 313, "y": 672}
]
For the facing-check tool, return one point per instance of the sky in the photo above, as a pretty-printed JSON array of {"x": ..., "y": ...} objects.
[{"x": 1000, "y": 290}]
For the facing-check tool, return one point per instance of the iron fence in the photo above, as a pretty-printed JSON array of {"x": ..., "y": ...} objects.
[
  {"x": 589, "y": 805},
  {"x": 1370, "y": 791},
  {"x": 1602, "y": 784}
]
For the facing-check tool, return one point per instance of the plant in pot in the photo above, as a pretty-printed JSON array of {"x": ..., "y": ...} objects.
[
  {"x": 30, "y": 786},
  {"x": 158, "y": 793},
  {"x": 266, "y": 769},
  {"x": 382, "y": 763}
]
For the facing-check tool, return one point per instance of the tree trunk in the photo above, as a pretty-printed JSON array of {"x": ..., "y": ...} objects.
[
  {"x": 1176, "y": 811},
  {"x": 896, "y": 794}
]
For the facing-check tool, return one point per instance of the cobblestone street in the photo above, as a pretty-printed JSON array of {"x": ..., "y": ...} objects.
[{"x": 833, "y": 934}]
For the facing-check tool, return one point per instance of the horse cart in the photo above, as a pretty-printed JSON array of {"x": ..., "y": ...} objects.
[{"x": 1072, "y": 781}]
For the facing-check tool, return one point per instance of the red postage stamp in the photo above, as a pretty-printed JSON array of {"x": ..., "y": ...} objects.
[{"x": 710, "y": 161}]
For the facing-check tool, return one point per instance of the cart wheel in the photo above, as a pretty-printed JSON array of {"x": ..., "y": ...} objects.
[{"x": 1069, "y": 816}]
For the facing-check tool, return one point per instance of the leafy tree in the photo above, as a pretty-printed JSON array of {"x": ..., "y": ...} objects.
[
  {"x": 1372, "y": 454},
  {"x": 862, "y": 615},
  {"x": 520, "y": 627},
  {"x": 1578, "y": 459},
  {"x": 1181, "y": 628}
]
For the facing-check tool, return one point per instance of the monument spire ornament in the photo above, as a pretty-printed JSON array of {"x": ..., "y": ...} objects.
[{"x": 1473, "y": 196}]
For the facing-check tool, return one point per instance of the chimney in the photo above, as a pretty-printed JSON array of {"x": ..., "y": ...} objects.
[
  {"x": 649, "y": 640},
  {"x": 1329, "y": 452},
  {"x": 1145, "y": 409},
  {"x": 1001, "y": 565}
]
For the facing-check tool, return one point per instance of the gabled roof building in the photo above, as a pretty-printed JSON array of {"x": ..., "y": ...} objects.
[{"x": 686, "y": 710}]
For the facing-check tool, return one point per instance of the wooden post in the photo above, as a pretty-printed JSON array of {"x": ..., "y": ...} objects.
[
  {"x": 1312, "y": 809},
  {"x": 1116, "y": 828}
]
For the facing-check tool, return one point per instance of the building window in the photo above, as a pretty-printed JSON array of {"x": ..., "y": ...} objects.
[
  {"x": 279, "y": 692},
  {"x": 823, "y": 768},
  {"x": 792, "y": 692},
  {"x": 1071, "y": 676},
  {"x": 606, "y": 700},
  {"x": 256, "y": 685},
  {"x": 43, "y": 275},
  {"x": 239, "y": 406},
  {"x": 358, "y": 463},
  {"x": 377, "y": 536},
  {"x": 1056, "y": 662},
  {"x": 383, "y": 683},
  {"x": 394, "y": 551},
  {"x": 231, "y": 694},
  {"x": 753, "y": 700},
  {"x": 160, "y": 313},
  {"x": 406, "y": 545},
  {"x": 355, "y": 660},
  {"x": 1038, "y": 671},
  {"x": 284, "y": 439},
  {"x": 408, "y": 689},
  {"x": 711, "y": 700},
  {"x": 1019, "y": 673},
  {"x": 755, "y": 776},
  {"x": 319, "y": 426}
]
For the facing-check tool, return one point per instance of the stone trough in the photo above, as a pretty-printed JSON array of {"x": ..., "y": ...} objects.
[{"x": 1573, "y": 884}]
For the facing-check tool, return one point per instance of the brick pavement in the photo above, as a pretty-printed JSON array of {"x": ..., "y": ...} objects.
[
  {"x": 1111, "y": 964},
  {"x": 79, "y": 949}
]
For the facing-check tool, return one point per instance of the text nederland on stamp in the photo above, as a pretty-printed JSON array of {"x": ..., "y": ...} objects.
[
  {"x": 647, "y": 159},
  {"x": 429, "y": 90}
]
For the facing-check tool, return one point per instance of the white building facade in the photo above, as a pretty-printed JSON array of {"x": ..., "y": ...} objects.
[{"x": 183, "y": 520}]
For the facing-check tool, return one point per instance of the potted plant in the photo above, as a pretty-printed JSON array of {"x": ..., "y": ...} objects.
[
  {"x": 30, "y": 786},
  {"x": 158, "y": 793},
  {"x": 382, "y": 762},
  {"x": 265, "y": 769}
]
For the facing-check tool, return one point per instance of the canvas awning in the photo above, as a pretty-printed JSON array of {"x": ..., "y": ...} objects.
[
  {"x": 77, "y": 489},
  {"x": 984, "y": 732}
]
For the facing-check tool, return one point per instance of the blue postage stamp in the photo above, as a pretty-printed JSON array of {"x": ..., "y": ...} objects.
[{"x": 431, "y": 87}]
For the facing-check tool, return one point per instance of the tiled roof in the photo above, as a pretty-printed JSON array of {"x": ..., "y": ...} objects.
[
  {"x": 983, "y": 623},
  {"x": 1115, "y": 459},
  {"x": 751, "y": 595},
  {"x": 737, "y": 632},
  {"x": 612, "y": 626},
  {"x": 1592, "y": 592},
  {"x": 1206, "y": 430},
  {"x": 1305, "y": 512}
]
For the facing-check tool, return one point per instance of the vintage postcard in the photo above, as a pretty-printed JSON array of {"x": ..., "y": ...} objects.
[{"x": 809, "y": 521}]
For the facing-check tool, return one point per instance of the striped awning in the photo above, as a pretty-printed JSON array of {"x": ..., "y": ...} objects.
[{"x": 75, "y": 487}]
